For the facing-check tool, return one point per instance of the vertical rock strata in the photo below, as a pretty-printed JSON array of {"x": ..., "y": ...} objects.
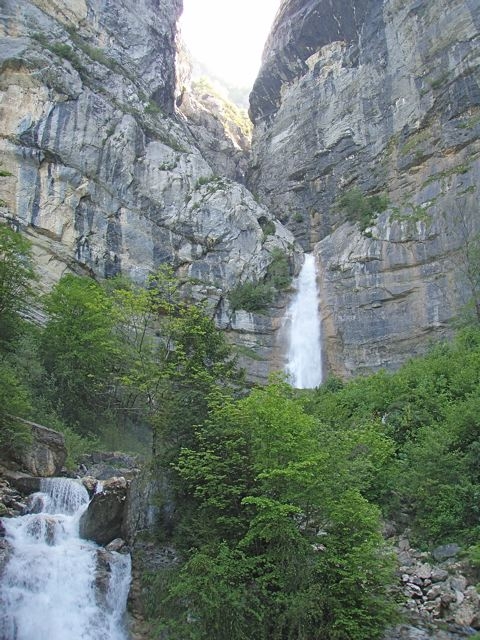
[
  {"x": 100, "y": 169},
  {"x": 384, "y": 98}
]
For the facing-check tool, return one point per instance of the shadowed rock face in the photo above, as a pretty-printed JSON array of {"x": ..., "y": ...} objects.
[
  {"x": 386, "y": 100},
  {"x": 301, "y": 28}
]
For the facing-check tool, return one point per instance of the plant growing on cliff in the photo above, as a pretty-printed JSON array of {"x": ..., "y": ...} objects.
[
  {"x": 278, "y": 272},
  {"x": 257, "y": 296},
  {"x": 251, "y": 297},
  {"x": 361, "y": 208}
]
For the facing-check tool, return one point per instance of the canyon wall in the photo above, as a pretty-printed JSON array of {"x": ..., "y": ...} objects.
[
  {"x": 111, "y": 162},
  {"x": 369, "y": 98},
  {"x": 105, "y": 174}
]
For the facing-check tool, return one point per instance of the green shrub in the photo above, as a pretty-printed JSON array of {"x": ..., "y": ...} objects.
[
  {"x": 278, "y": 274},
  {"x": 361, "y": 208},
  {"x": 215, "y": 183},
  {"x": 251, "y": 296},
  {"x": 152, "y": 108},
  {"x": 297, "y": 217},
  {"x": 267, "y": 226},
  {"x": 14, "y": 401}
]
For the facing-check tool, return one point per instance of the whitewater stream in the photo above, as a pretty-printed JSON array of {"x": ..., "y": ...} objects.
[
  {"x": 48, "y": 589},
  {"x": 304, "y": 356}
]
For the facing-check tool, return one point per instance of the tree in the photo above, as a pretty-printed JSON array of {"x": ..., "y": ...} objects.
[
  {"x": 82, "y": 352},
  {"x": 265, "y": 529},
  {"x": 14, "y": 403},
  {"x": 16, "y": 280}
]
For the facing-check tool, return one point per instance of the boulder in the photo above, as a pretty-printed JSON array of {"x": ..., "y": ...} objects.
[
  {"x": 467, "y": 614},
  {"x": 105, "y": 465},
  {"x": 103, "y": 519},
  {"x": 46, "y": 454},
  {"x": 116, "y": 545},
  {"x": 22, "y": 482},
  {"x": 446, "y": 551}
]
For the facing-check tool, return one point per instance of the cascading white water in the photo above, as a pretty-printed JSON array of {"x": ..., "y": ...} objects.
[
  {"x": 48, "y": 589},
  {"x": 304, "y": 356}
]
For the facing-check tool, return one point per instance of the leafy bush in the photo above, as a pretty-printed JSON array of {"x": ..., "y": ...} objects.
[
  {"x": 251, "y": 296},
  {"x": 360, "y": 208},
  {"x": 16, "y": 282},
  {"x": 429, "y": 409},
  {"x": 267, "y": 226},
  {"x": 14, "y": 402},
  {"x": 255, "y": 487},
  {"x": 278, "y": 273}
]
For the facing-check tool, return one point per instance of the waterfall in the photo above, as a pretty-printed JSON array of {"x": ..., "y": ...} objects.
[
  {"x": 48, "y": 588},
  {"x": 304, "y": 356}
]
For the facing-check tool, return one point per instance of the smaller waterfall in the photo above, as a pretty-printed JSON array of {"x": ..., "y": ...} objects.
[
  {"x": 304, "y": 356},
  {"x": 48, "y": 589}
]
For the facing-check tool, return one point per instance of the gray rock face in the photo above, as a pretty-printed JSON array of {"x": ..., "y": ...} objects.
[
  {"x": 301, "y": 28},
  {"x": 101, "y": 465},
  {"x": 220, "y": 129},
  {"x": 382, "y": 97},
  {"x": 105, "y": 176}
]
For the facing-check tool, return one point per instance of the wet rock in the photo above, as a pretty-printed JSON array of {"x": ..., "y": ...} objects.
[
  {"x": 22, "y": 482},
  {"x": 44, "y": 528},
  {"x": 103, "y": 519},
  {"x": 5, "y": 549},
  {"x": 102, "y": 574},
  {"x": 90, "y": 483},
  {"x": 116, "y": 545}
]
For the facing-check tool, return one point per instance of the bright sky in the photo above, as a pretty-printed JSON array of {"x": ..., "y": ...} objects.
[{"x": 228, "y": 36}]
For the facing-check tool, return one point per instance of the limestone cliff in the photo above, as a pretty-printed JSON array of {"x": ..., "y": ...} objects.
[
  {"x": 373, "y": 98},
  {"x": 100, "y": 169}
]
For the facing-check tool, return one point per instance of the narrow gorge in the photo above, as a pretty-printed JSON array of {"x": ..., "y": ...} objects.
[{"x": 200, "y": 292}]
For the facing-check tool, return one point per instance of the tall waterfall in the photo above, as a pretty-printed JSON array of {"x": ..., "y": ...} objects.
[
  {"x": 304, "y": 356},
  {"x": 48, "y": 589}
]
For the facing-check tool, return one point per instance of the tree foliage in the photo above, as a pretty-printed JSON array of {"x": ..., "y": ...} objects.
[
  {"x": 265, "y": 529},
  {"x": 361, "y": 208},
  {"x": 16, "y": 281},
  {"x": 81, "y": 351}
]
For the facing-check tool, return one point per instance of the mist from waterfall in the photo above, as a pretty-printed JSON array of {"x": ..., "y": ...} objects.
[
  {"x": 48, "y": 589},
  {"x": 304, "y": 355}
]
